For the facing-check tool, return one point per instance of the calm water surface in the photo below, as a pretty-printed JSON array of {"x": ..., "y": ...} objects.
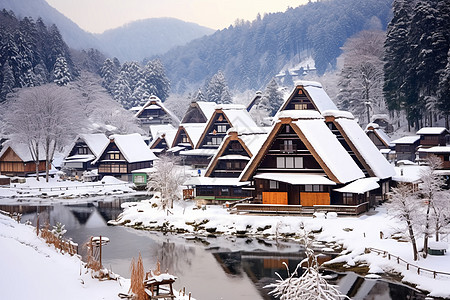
[{"x": 211, "y": 268}]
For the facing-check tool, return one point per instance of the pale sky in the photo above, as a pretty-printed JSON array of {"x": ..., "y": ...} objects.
[{"x": 99, "y": 15}]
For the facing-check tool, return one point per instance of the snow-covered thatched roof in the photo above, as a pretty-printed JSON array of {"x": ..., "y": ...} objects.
[
  {"x": 95, "y": 141},
  {"x": 22, "y": 151},
  {"x": 365, "y": 149},
  {"x": 432, "y": 130},
  {"x": 155, "y": 103}
]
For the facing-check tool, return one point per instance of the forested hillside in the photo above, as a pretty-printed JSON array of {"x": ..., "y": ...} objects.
[
  {"x": 251, "y": 53},
  {"x": 417, "y": 69},
  {"x": 31, "y": 54}
]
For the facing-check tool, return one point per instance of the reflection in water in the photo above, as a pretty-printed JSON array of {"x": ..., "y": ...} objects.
[{"x": 231, "y": 268}]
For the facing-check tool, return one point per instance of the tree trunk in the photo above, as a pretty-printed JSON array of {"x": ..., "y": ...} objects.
[
  {"x": 427, "y": 228},
  {"x": 413, "y": 239}
]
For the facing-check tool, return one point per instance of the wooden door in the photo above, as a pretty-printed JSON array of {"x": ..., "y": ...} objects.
[
  {"x": 311, "y": 199},
  {"x": 275, "y": 198}
]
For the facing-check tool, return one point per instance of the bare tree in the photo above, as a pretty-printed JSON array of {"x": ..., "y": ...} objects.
[
  {"x": 430, "y": 188},
  {"x": 46, "y": 116},
  {"x": 361, "y": 80},
  {"x": 404, "y": 205},
  {"x": 310, "y": 285},
  {"x": 167, "y": 180}
]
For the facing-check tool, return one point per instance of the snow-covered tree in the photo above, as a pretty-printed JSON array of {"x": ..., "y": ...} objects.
[
  {"x": 217, "y": 89},
  {"x": 109, "y": 73},
  {"x": 404, "y": 205},
  {"x": 61, "y": 72},
  {"x": 444, "y": 92},
  {"x": 156, "y": 80},
  {"x": 46, "y": 116},
  {"x": 310, "y": 285},
  {"x": 167, "y": 180},
  {"x": 272, "y": 98},
  {"x": 430, "y": 187},
  {"x": 8, "y": 82}
]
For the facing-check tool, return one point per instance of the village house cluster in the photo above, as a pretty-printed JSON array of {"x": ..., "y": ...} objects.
[{"x": 312, "y": 156}]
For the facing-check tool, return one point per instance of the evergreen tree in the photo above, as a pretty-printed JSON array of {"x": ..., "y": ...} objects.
[
  {"x": 272, "y": 98},
  {"x": 108, "y": 72},
  {"x": 217, "y": 90},
  {"x": 8, "y": 82},
  {"x": 199, "y": 97},
  {"x": 444, "y": 92},
  {"x": 61, "y": 72},
  {"x": 122, "y": 91},
  {"x": 156, "y": 80}
]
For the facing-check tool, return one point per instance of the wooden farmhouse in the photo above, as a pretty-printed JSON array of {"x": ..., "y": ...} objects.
[
  {"x": 431, "y": 137},
  {"x": 443, "y": 152},
  {"x": 124, "y": 154},
  {"x": 192, "y": 126},
  {"x": 221, "y": 180},
  {"x": 405, "y": 147},
  {"x": 300, "y": 163},
  {"x": 83, "y": 151},
  {"x": 317, "y": 157},
  {"x": 17, "y": 160},
  {"x": 162, "y": 137},
  {"x": 154, "y": 112},
  {"x": 225, "y": 116}
]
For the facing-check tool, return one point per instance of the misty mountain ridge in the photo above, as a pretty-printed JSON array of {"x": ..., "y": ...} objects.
[
  {"x": 133, "y": 41},
  {"x": 143, "y": 38},
  {"x": 73, "y": 35}
]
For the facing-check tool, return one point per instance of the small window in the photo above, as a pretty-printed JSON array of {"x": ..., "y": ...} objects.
[
  {"x": 139, "y": 179},
  {"x": 288, "y": 128},
  {"x": 301, "y": 106},
  {"x": 308, "y": 188},
  {"x": 273, "y": 184},
  {"x": 299, "y": 162},
  {"x": 280, "y": 163},
  {"x": 114, "y": 156},
  {"x": 222, "y": 128},
  {"x": 289, "y": 162},
  {"x": 185, "y": 139},
  {"x": 82, "y": 150}
]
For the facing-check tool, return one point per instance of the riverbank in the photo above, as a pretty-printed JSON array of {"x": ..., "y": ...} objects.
[
  {"x": 32, "y": 190},
  {"x": 30, "y": 269},
  {"x": 349, "y": 237}
]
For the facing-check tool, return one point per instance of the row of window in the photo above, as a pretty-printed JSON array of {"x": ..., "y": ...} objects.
[
  {"x": 113, "y": 168},
  {"x": 274, "y": 185},
  {"x": 290, "y": 162}
]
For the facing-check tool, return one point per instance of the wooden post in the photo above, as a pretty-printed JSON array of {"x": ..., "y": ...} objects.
[
  {"x": 189, "y": 295},
  {"x": 434, "y": 274},
  {"x": 184, "y": 291},
  {"x": 418, "y": 271},
  {"x": 91, "y": 248},
  {"x": 407, "y": 266},
  {"x": 100, "y": 259}
]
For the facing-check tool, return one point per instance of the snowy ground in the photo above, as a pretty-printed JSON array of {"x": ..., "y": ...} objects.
[
  {"x": 353, "y": 233},
  {"x": 30, "y": 269},
  {"x": 56, "y": 189}
]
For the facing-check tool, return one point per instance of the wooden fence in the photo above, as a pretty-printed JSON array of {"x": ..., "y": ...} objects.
[
  {"x": 299, "y": 209},
  {"x": 409, "y": 266},
  {"x": 66, "y": 188}
]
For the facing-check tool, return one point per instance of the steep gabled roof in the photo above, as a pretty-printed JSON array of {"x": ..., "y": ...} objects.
[
  {"x": 382, "y": 136},
  {"x": 205, "y": 109},
  {"x": 132, "y": 147},
  {"x": 22, "y": 151},
  {"x": 192, "y": 130},
  {"x": 255, "y": 100},
  {"x": 95, "y": 141},
  {"x": 156, "y": 102},
  {"x": 409, "y": 140},
  {"x": 251, "y": 141},
  {"x": 364, "y": 149},
  {"x": 315, "y": 94},
  {"x": 236, "y": 115},
  {"x": 157, "y": 130},
  {"x": 167, "y": 135},
  {"x": 319, "y": 140}
]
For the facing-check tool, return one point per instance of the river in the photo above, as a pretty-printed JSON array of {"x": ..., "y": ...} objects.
[{"x": 210, "y": 268}]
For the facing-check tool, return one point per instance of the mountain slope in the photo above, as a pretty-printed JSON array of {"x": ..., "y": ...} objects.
[
  {"x": 251, "y": 53},
  {"x": 145, "y": 38},
  {"x": 73, "y": 35}
]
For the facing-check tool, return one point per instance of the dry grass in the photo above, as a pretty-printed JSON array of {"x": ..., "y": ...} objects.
[
  {"x": 61, "y": 244},
  {"x": 137, "y": 279}
]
